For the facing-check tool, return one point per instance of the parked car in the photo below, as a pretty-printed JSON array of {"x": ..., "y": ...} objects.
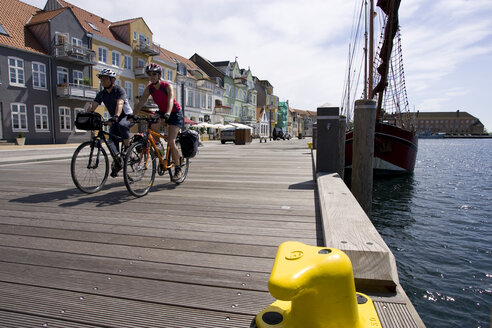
[
  {"x": 278, "y": 133},
  {"x": 228, "y": 134}
]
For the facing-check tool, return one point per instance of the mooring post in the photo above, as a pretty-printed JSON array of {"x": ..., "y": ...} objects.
[
  {"x": 363, "y": 152},
  {"x": 327, "y": 139},
  {"x": 342, "y": 126}
]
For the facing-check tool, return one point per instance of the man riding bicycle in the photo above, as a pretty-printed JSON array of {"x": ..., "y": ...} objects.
[
  {"x": 169, "y": 110},
  {"x": 114, "y": 98}
]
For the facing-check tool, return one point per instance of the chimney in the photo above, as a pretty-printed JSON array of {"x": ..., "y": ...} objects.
[
  {"x": 102, "y": 20},
  {"x": 458, "y": 113}
]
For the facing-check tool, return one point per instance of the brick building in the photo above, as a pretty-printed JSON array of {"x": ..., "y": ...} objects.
[{"x": 443, "y": 122}]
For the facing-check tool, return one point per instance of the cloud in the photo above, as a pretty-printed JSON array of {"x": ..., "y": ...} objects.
[{"x": 301, "y": 47}]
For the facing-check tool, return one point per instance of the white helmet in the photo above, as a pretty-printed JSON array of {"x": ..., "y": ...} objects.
[{"x": 106, "y": 72}]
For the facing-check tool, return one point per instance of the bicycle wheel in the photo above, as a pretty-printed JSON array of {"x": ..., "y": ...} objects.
[
  {"x": 184, "y": 165},
  {"x": 89, "y": 167},
  {"x": 139, "y": 169}
]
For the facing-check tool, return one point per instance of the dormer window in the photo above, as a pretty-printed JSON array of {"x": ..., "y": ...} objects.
[
  {"x": 93, "y": 26},
  {"x": 3, "y": 31}
]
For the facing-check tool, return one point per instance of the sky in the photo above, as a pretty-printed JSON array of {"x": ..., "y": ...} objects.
[{"x": 301, "y": 47}]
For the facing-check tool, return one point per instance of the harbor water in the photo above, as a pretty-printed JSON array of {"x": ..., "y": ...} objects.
[{"x": 438, "y": 223}]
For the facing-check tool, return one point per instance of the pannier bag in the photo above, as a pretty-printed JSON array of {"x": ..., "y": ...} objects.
[
  {"x": 88, "y": 121},
  {"x": 189, "y": 141}
]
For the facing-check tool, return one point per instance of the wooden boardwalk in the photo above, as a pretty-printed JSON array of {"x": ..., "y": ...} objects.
[{"x": 196, "y": 255}]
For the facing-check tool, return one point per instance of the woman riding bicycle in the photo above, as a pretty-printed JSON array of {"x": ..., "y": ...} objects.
[{"x": 169, "y": 110}]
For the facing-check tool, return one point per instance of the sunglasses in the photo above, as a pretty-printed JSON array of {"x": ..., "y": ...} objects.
[{"x": 153, "y": 74}]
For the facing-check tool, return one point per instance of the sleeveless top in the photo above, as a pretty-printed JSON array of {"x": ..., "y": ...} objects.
[{"x": 161, "y": 98}]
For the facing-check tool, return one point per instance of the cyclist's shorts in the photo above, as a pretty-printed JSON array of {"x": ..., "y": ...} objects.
[
  {"x": 176, "y": 118},
  {"x": 120, "y": 130}
]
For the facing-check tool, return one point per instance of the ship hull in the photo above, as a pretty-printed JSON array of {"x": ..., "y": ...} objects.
[{"x": 395, "y": 150}]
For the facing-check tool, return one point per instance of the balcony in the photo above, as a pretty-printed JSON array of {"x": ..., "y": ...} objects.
[
  {"x": 147, "y": 49},
  {"x": 71, "y": 53},
  {"x": 224, "y": 110},
  {"x": 205, "y": 84},
  {"x": 75, "y": 91},
  {"x": 247, "y": 119},
  {"x": 240, "y": 81},
  {"x": 140, "y": 72}
]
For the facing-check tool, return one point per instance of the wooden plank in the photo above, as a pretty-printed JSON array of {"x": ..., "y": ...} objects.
[
  {"x": 236, "y": 279},
  {"x": 135, "y": 254},
  {"x": 138, "y": 289},
  {"x": 102, "y": 311},
  {"x": 196, "y": 246},
  {"x": 347, "y": 227},
  {"x": 19, "y": 320}
]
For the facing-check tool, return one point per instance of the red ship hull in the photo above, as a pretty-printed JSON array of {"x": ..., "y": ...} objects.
[{"x": 395, "y": 149}]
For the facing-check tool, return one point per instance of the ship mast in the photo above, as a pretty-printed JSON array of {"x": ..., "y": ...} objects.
[{"x": 371, "y": 49}]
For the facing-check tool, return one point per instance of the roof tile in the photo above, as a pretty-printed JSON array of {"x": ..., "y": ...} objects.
[{"x": 13, "y": 17}]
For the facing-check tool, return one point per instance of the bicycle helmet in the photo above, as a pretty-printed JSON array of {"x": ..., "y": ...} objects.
[
  {"x": 106, "y": 72},
  {"x": 153, "y": 68}
]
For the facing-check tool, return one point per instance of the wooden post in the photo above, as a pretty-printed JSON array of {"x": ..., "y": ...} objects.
[
  {"x": 363, "y": 152},
  {"x": 342, "y": 126},
  {"x": 327, "y": 139}
]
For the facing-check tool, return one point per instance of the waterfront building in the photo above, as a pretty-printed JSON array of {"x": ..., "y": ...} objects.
[
  {"x": 268, "y": 102},
  {"x": 282, "y": 117},
  {"x": 125, "y": 47},
  {"x": 240, "y": 96},
  {"x": 25, "y": 99},
  {"x": 427, "y": 123},
  {"x": 201, "y": 91},
  {"x": 248, "y": 110},
  {"x": 303, "y": 121},
  {"x": 71, "y": 46}
]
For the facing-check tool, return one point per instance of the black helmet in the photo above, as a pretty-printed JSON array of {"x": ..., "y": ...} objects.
[{"x": 153, "y": 68}]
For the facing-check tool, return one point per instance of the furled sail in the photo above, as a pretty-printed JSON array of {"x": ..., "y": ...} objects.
[{"x": 390, "y": 8}]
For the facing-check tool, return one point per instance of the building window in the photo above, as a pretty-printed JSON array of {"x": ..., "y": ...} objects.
[
  {"x": 128, "y": 62},
  {"x": 106, "y": 117},
  {"x": 75, "y": 112},
  {"x": 61, "y": 75},
  {"x": 189, "y": 98},
  {"x": 169, "y": 75},
  {"x": 203, "y": 100},
  {"x": 116, "y": 59},
  {"x": 3, "y": 31},
  {"x": 38, "y": 75},
  {"x": 141, "y": 63},
  {"x": 16, "y": 71},
  {"x": 103, "y": 55},
  {"x": 65, "y": 119},
  {"x": 94, "y": 27},
  {"x": 78, "y": 77},
  {"x": 77, "y": 45},
  {"x": 41, "y": 117},
  {"x": 134, "y": 35},
  {"x": 141, "y": 88},
  {"x": 197, "y": 99},
  {"x": 129, "y": 89},
  {"x": 18, "y": 114}
]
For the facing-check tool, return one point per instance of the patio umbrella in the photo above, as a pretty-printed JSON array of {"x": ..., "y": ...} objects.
[
  {"x": 241, "y": 126},
  {"x": 190, "y": 122}
]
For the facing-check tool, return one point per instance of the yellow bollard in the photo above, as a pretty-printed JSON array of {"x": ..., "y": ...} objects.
[
  {"x": 314, "y": 287},
  {"x": 310, "y": 145}
]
